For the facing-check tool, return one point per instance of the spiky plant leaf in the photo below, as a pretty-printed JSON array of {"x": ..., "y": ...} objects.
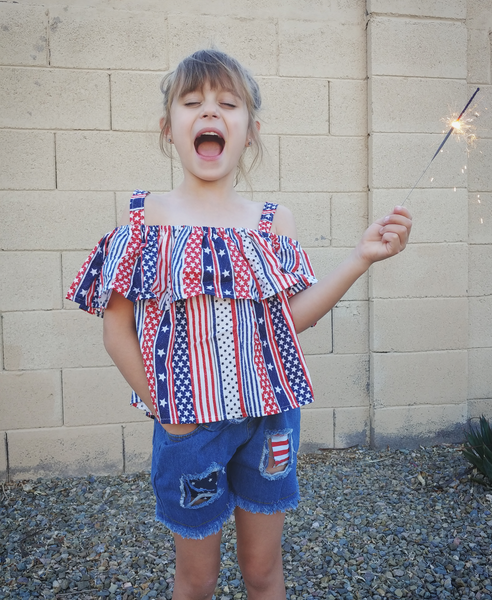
[{"x": 478, "y": 447}]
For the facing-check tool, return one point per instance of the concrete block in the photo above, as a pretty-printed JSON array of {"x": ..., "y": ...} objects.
[
  {"x": 480, "y": 218},
  {"x": 52, "y": 340},
  {"x": 478, "y": 56},
  {"x": 266, "y": 176},
  {"x": 348, "y": 107},
  {"x": 318, "y": 339},
  {"x": 34, "y": 281},
  {"x": 137, "y": 438},
  {"x": 251, "y": 41},
  {"x": 479, "y": 14},
  {"x": 292, "y": 9},
  {"x": 479, "y": 171},
  {"x": 480, "y": 373},
  {"x": 422, "y": 271},
  {"x": 414, "y": 105},
  {"x": 412, "y": 426},
  {"x": 427, "y": 208},
  {"x": 446, "y": 9},
  {"x": 351, "y": 327},
  {"x": 325, "y": 260},
  {"x": 64, "y": 220},
  {"x": 311, "y": 214},
  {"x": 480, "y": 311},
  {"x": 323, "y": 164},
  {"x": 419, "y": 324},
  {"x": 97, "y": 396},
  {"x": 480, "y": 116},
  {"x": 316, "y": 429},
  {"x": 348, "y": 219},
  {"x": 103, "y": 38},
  {"x": 477, "y": 408},
  {"x": 111, "y": 161},
  {"x": 479, "y": 269},
  {"x": 339, "y": 380},
  {"x": 327, "y": 48},
  {"x": 54, "y": 99},
  {"x": 398, "y": 159},
  {"x": 30, "y": 398},
  {"x": 29, "y": 162},
  {"x": 65, "y": 452},
  {"x": 24, "y": 35},
  {"x": 415, "y": 378},
  {"x": 294, "y": 106},
  {"x": 417, "y": 48},
  {"x": 136, "y": 101},
  {"x": 4, "y": 468},
  {"x": 351, "y": 427}
]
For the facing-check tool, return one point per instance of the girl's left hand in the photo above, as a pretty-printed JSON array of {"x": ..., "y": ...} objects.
[{"x": 386, "y": 236}]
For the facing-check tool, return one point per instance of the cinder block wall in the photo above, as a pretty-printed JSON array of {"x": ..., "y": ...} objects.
[{"x": 353, "y": 97}]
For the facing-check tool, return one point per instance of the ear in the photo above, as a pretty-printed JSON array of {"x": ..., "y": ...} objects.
[{"x": 167, "y": 131}]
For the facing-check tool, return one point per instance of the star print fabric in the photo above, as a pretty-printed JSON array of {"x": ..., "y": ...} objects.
[{"x": 211, "y": 311}]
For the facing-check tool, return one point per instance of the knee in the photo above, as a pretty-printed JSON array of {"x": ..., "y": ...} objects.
[
  {"x": 198, "y": 588},
  {"x": 258, "y": 574}
]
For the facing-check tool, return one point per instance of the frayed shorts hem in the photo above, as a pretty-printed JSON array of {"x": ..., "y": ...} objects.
[
  {"x": 214, "y": 527},
  {"x": 201, "y": 531}
]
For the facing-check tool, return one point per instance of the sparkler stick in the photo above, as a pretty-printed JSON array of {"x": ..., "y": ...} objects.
[{"x": 454, "y": 125}]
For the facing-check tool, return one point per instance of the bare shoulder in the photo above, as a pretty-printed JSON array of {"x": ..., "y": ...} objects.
[
  {"x": 284, "y": 223},
  {"x": 124, "y": 217}
]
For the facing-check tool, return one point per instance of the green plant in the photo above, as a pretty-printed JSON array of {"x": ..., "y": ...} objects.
[{"x": 478, "y": 447}]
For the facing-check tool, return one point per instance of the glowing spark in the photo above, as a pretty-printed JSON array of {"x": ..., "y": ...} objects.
[
  {"x": 455, "y": 189},
  {"x": 456, "y": 124},
  {"x": 432, "y": 179},
  {"x": 481, "y": 221}
]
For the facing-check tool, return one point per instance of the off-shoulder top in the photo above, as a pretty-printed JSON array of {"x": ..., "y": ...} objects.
[{"x": 211, "y": 311}]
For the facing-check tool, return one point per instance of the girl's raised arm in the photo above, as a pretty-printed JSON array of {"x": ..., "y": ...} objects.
[{"x": 384, "y": 238}]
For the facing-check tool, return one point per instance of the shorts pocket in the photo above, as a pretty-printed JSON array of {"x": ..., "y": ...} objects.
[{"x": 174, "y": 437}]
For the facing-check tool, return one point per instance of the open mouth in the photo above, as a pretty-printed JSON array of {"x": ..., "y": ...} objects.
[{"x": 209, "y": 144}]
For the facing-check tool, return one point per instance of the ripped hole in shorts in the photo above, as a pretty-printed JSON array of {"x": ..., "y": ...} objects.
[
  {"x": 202, "y": 488},
  {"x": 276, "y": 459}
]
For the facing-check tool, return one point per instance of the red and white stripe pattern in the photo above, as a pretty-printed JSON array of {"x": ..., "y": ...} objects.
[{"x": 280, "y": 449}]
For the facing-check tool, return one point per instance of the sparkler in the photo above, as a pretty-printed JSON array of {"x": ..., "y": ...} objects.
[{"x": 456, "y": 125}]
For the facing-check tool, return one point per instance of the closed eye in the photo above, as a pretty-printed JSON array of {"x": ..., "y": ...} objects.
[{"x": 228, "y": 105}]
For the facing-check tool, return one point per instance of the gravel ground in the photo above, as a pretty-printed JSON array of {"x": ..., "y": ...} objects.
[{"x": 371, "y": 524}]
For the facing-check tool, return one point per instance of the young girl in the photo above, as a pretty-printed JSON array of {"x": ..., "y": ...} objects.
[{"x": 203, "y": 294}]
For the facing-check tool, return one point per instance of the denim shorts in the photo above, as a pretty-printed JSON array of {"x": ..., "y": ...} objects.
[{"x": 200, "y": 477}]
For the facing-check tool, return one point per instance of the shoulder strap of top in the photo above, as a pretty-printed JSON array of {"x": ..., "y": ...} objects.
[
  {"x": 137, "y": 201},
  {"x": 267, "y": 215}
]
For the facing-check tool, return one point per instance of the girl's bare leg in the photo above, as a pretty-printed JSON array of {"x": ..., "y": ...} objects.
[
  {"x": 197, "y": 567},
  {"x": 259, "y": 554}
]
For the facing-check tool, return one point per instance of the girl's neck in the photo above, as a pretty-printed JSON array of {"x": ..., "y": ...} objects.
[{"x": 207, "y": 193}]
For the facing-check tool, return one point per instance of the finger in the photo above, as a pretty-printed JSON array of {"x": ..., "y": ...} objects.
[
  {"x": 393, "y": 243},
  {"x": 401, "y": 210},
  {"x": 400, "y": 230},
  {"x": 400, "y": 219}
]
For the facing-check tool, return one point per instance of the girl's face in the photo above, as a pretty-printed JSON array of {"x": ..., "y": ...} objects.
[{"x": 209, "y": 129}]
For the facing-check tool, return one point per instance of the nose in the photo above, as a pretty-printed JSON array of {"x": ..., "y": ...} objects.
[{"x": 209, "y": 109}]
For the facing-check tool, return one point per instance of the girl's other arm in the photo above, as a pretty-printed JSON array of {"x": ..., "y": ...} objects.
[
  {"x": 121, "y": 342},
  {"x": 384, "y": 238}
]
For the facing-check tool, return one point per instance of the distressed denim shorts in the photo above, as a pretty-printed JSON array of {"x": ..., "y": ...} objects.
[{"x": 199, "y": 478}]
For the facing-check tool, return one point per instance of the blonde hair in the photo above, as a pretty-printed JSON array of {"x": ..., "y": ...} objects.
[{"x": 219, "y": 70}]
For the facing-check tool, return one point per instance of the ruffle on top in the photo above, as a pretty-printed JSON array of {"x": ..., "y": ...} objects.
[{"x": 171, "y": 263}]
